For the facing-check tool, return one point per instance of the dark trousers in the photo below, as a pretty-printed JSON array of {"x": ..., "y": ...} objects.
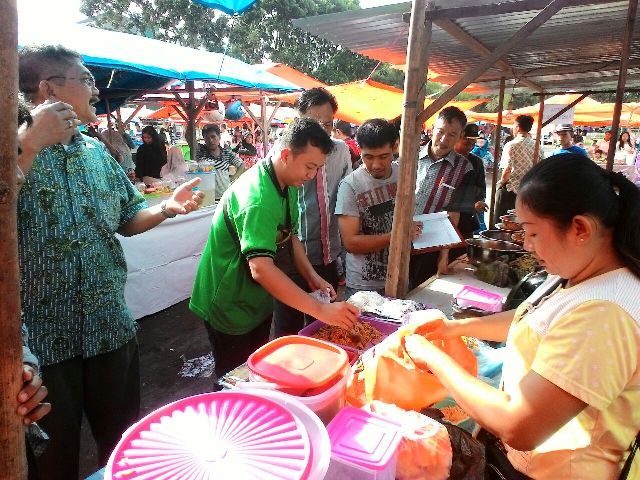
[
  {"x": 505, "y": 200},
  {"x": 289, "y": 321},
  {"x": 106, "y": 388},
  {"x": 422, "y": 266},
  {"x": 231, "y": 351}
]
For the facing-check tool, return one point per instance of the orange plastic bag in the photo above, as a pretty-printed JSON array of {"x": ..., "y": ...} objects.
[{"x": 388, "y": 374}]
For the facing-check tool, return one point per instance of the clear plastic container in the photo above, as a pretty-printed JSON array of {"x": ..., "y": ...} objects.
[
  {"x": 206, "y": 186},
  {"x": 475, "y": 297},
  {"x": 364, "y": 446}
]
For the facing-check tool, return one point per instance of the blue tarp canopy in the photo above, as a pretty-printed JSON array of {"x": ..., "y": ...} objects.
[
  {"x": 122, "y": 62},
  {"x": 228, "y": 6}
]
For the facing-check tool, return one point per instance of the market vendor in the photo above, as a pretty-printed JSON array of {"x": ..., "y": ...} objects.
[
  {"x": 253, "y": 249},
  {"x": 151, "y": 156},
  {"x": 570, "y": 402}
]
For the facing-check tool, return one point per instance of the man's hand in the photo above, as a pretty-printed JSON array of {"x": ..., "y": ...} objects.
[
  {"x": 316, "y": 282},
  {"x": 30, "y": 405},
  {"x": 184, "y": 199},
  {"x": 53, "y": 122},
  {"x": 416, "y": 230},
  {"x": 481, "y": 206},
  {"x": 340, "y": 314}
]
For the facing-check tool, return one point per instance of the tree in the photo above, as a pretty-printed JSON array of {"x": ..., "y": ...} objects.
[{"x": 263, "y": 33}]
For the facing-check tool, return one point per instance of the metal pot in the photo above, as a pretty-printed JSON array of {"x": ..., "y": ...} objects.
[
  {"x": 496, "y": 235},
  {"x": 484, "y": 250}
]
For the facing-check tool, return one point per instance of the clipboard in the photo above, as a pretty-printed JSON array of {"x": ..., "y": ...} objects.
[{"x": 438, "y": 233}]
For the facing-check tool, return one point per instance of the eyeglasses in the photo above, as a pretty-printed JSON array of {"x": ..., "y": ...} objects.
[{"x": 88, "y": 81}]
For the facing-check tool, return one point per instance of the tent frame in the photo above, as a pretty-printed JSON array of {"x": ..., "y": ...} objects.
[{"x": 421, "y": 18}]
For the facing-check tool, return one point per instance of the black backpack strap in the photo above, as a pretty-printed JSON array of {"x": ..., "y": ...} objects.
[{"x": 632, "y": 453}]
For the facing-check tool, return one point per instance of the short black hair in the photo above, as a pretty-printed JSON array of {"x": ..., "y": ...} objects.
[
  {"x": 342, "y": 126},
  {"x": 449, "y": 114},
  {"x": 302, "y": 132},
  {"x": 376, "y": 133},
  {"x": 314, "y": 97},
  {"x": 211, "y": 127},
  {"x": 36, "y": 61},
  {"x": 525, "y": 122}
]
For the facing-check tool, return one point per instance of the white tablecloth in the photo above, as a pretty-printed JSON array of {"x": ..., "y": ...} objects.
[{"x": 162, "y": 262}]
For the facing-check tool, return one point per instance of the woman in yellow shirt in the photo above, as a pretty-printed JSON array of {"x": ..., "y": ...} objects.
[{"x": 570, "y": 403}]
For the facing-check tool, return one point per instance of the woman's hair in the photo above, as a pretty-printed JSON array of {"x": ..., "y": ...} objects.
[
  {"x": 156, "y": 142},
  {"x": 621, "y": 142},
  {"x": 563, "y": 186}
]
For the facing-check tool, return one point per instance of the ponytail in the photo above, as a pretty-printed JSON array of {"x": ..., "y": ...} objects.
[{"x": 626, "y": 236}]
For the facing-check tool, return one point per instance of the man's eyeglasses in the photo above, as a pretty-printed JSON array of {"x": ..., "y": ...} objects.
[{"x": 89, "y": 81}]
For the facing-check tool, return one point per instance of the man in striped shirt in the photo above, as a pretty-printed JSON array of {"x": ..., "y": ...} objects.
[
  {"x": 221, "y": 156},
  {"x": 440, "y": 174}
]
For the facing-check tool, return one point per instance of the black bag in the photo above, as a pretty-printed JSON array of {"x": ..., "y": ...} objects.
[
  {"x": 624, "y": 474},
  {"x": 497, "y": 465}
]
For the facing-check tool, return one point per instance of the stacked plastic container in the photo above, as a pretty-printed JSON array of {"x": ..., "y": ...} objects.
[
  {"x": 312, "y": 371},
  {"x": 474, "y": 297},
  {"x": 364, "y": 446}
]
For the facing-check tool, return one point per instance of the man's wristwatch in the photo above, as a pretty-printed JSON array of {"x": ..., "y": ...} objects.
[{"x": 163, "y": 210}]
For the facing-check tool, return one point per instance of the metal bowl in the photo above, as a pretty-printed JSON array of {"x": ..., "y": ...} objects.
[
  {"x": 496, "y": 235},
  {"x": 510, "y": 222},
  {"x": 484, "y": 250}
]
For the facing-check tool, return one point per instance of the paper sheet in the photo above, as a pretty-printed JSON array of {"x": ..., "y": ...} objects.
[{"x": 437, "y": 231}]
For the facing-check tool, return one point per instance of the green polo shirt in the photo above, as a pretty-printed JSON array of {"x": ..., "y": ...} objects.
[{"x": 224, "y": 294}]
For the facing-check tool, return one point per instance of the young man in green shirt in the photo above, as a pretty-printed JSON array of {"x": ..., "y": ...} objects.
[{"x": 253, "y": 249}]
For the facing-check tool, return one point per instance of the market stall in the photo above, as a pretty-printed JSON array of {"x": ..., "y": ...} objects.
[{"x": 162, "y": 262}]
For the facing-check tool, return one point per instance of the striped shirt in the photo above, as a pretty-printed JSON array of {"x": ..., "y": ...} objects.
[
  {"x": 518, "y": 154},
  {"x": 437, "y": 180},
  {"x": 73, "y": 269},
  {"x": 221, "y": 164}
]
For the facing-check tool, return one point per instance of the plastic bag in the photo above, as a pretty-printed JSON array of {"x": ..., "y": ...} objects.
[
  {"x": 468, "y": 453},
  {"x": 387, "y": 373},
  {"x": 425, "y": 449}
]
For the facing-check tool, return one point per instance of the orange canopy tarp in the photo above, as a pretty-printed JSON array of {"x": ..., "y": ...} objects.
[
  {"x": 360, "y": 101},
  {"x": 291, "y": 75},
  {"x": 167, "y": 112}
]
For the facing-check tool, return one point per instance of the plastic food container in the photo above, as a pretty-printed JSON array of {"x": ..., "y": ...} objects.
[
  {"x": 207, "y": 185},
  {"x": 312, "y": 371},
  {"x": 364, "y": 446},
  {"x": 386, "y": 328},
  {"x": 475, "y": 297},
  {"x": 224, "y": 435}
]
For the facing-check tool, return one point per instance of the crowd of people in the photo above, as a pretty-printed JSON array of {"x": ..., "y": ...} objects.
[{"x": 278, "y": 233}]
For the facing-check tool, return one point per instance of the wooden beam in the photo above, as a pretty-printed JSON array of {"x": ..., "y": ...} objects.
[
  {"x": 273, "y": 113},
  {"x": 108, "y": 107},
  {"x": 564, "y": 109},
  {"x": 184, "y": 116},
  {"x": 12, "y": 453},
  {"x": 119, "y": 124},
  {"x": 506, "y": 7},
  {"x": 536, "y": 150},
  {"x": 490, "y": 60},
  {"x": 414, "y": 91},
  {"x": 133, "y": 114},
  {"x": 181, "y": 102},
  {"x": 203, "y": 101},
  {"x": 191, "y": 114},
  {"x": 265, "y": 124},
  {"x": 250, "y": 113},
  {"x": 622, "y": 79},
  {"x": 496, "y": 154},
  {"x": 480, "y": 48}
]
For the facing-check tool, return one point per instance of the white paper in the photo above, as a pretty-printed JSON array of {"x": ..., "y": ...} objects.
[{"x": 437, "y": 231}]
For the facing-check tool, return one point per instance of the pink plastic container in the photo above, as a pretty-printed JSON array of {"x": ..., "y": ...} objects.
[
  {"x": 470, "y": 296},
  {"x": 214, "y": 436},
  {"x": 364, "y": 446}
]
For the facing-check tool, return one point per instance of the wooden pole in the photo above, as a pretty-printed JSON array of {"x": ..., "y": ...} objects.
[
  {"x": 191, "y": 114},
  {"x": 108, "y": 107},
  {"x": 12, "y": 450},
  {"x": 119, "y": 124},
  {"x": 414, "y": 92},
  {"x": 536, "y": 150},
  {"x": 497, "y": 151},
  {"x": 264, "y": 125},
  {"x": 491, "y": 59},
  {"x": 622, "y": 80}
]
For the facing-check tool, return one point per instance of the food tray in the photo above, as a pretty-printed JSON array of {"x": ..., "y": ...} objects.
[{"x": 386, "y": 328}]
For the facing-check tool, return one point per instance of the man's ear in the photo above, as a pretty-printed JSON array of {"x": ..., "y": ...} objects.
[
  {"x": 285, "y": 155},
  {"x": 45, "y": 90}
]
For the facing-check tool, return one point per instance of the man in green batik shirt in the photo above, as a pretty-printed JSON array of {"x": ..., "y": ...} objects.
[{"x": 73, "y": 271}]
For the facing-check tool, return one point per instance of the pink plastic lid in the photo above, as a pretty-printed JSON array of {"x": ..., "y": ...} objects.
[
  {"x": 298, "y": 362},
  {"x": 364, "y": 438},
  {"x": 214, "y": 436},
  {"x": 470, "y": 296}
]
